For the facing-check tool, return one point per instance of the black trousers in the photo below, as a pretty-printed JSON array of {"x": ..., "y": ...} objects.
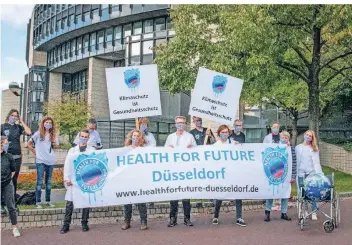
[
  {"x": 186, "y": 208},
  {"x": 18, "y": 163},
  {"x": 142, "y": 208},
  {"x": 68, "y": 214},
  {"x": 7, "y": 192}
]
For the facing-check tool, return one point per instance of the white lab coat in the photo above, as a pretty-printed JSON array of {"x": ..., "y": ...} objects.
[
  {"x": 180, "y": 141},
  {"x": 67, "y": 166},
  {"x": 149, "y": 140}
]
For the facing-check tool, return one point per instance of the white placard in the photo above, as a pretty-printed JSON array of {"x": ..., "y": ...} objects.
[
  {"x": 153, "y": 174},
  {"x": 133, "y": 92},
  {"x": 216, "y": 96}
]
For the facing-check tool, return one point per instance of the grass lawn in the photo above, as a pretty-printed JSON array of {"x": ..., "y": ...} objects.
[{"x": 343, "y": 183}]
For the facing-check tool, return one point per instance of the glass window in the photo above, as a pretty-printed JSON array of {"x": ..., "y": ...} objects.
[
  {"x": 104, "y": 6},
  {"x": 137, "y": 28},
  {"x": 108, "y": 35},
  {"x": 68, "y": 48},
  {"x": 96, "y": 16},
  {"x": 73, "y": 46},
  {"x": 118, "y": 32},
  {"x": 93, "y": 41},
  {"x": 160, "y": 24},
  {"x": 63, "y": 23},
  {"x": 101, "y": 37},
  {"x": 147, "y": 47},
  {"x": 137, "y": 8},
  {"x": 85, "y": 43},
  {"x": 135, "y": 49},
  {"x": 126, "y": 10},
  {"x": 127, "y": 30},
  {"x": 79, "y": 45},
  {"x": 148, "y": 26},
  {"x": 115, "y": 11},
  {"x": 64, "y": 6},
  {"x": 58, "y": 8},
  {"x": 86, "y": 17}
]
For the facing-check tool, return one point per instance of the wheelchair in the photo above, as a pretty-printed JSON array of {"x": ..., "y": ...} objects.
[{"x": 333, "y": 219}]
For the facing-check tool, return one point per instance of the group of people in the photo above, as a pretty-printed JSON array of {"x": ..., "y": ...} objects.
[{"x": 305, "y": 160}]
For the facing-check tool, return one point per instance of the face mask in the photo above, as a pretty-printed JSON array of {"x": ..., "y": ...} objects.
[
  {"x": 275, "y": 130},
  {"x": 307, "y": 139},
  {"x": 6, "y": 147},
  {"x": 134, "y": 141},
  {"x": 12, "y": 120},
  {"x": 48, "y": 126},
  {"x": 238, "y": 128},
  {"x": 283, "y": 141},
  {"x": 90, "y": 130},
  {"x": 199, "y": 123},
  {"x": 83, "y": 141},
  {"x": 180, "y": 126},
  {"x": 144, "y": 128},
  {"x": 224, "y": 136}
]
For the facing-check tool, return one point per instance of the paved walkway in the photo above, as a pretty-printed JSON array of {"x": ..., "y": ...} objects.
[{"x": 258, "y": 232}]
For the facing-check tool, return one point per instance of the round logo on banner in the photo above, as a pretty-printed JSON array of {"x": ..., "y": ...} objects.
[{"x": 275, "y": 163}]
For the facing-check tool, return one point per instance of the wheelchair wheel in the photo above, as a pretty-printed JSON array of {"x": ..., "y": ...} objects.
[
  {"x": 337, "y": 215},
  {"x": 301, "y": 220},
  {"x": 328, "y": 226}
]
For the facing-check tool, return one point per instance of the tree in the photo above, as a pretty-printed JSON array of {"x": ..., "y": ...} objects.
[
  {"x": 70, "y": 114},
  {"x": 311, "y": 42}
]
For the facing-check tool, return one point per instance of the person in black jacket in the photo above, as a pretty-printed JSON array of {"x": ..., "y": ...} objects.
[
  {"x": 199, "y": 133},
  {"x": 8, "y": 166}
]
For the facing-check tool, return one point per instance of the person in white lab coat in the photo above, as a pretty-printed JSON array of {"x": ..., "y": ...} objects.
[
  {"x": 274, "y": 136},
  {"x": 308, "y": 162},
  {"x": 81, "y": 147},
  {"x": 148, "y": 136},
  {"x": 180, "y": 139}
]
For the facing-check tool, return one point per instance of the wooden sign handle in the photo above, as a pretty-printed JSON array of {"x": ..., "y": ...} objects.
[
  {"x": 206, "y": 136},
  {"x": 137, "y": 123}
]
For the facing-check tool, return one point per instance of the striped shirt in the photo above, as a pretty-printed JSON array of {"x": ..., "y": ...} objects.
[{"x": 294, "y": 163}]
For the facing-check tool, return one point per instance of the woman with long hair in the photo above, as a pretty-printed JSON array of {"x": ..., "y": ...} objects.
[
  {"x": 308, "y": 161},
  {"x": 42, "y": 144},
  {"x": 135, "y": 139},
  {"x": 13, "y": 128},
  {"x": 224, "y": 138}
]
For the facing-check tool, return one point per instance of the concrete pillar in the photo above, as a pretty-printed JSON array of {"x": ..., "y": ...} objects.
[
  {"x": 97, "y": 88},
  {"x": 8, "y": 101},
  {"x": 55, "y": 86}
]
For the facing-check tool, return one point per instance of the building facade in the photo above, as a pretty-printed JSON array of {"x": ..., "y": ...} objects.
[{"x": 70, "y": 45}]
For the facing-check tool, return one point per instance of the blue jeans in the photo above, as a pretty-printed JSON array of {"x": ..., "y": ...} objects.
[
  {"x": 301, "y": 183},
  {"x": 48, "y": 170},
  {"x": 284, "y": 205}
]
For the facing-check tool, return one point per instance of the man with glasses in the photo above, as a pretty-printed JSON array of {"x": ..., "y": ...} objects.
[{"x": 180, "y": 139}]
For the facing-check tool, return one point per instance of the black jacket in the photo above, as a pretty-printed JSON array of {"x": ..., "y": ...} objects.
[{"x": 7, "y": 167}]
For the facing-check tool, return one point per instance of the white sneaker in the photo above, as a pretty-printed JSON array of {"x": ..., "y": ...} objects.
[
  {"x": 215, "y": 221},
  {"x": 38, "y": 206},
  {"x": 16, "y": 232},
  {"x": 50, "y": 204},
  {"x": 314, "y": 216}
]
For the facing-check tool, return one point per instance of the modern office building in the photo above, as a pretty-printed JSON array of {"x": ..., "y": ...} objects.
[{"x": 69, "y": 46}]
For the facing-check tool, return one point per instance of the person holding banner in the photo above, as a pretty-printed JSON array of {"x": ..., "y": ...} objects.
[
  {"x": 224, "y": 134},
  {"x": 308, "y": 162},
  {"x": 237, "y": 136},
  {"x": 134, "y": 139},
  {"x": 180, "y": 139},
  {"x": 274, "y": 136},
  {"x": 148, "y": 136},
  {"x": 199, "y": 133},
  {"x": 285, "y": 140},
  {"x": 94, "y": 138},
  {"x": 81, "y": 147}
]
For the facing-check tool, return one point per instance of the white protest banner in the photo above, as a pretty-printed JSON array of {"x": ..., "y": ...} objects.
[
  {"x": 133, "y": 91},
  {"x": 215, "y": 96},
  {"x": 152, "y": 174}
]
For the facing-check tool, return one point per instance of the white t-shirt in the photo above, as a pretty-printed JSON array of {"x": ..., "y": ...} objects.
[
  {"x": 308, "y": 161},
  {"x": 149, "y": 140},
  {"x": 94, "y": 139},
  {"x": 179, "y": 141},
  {"x": 219, "y": 142},
  {"x": 44, "y": 153}
]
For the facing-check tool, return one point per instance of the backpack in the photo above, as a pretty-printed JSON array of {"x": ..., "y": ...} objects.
[{"x": 27, "y": 198}]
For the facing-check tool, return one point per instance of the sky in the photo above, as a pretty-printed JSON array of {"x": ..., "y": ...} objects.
[{"x": 14, "y": 19}]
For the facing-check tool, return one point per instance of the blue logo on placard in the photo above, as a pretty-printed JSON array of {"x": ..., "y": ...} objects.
[
  {"x": 91, "y": 172},
  {"x": 275, "y": 162},
  {"x": 219, "y": 84},
  {"x": 132, "y": 78}
]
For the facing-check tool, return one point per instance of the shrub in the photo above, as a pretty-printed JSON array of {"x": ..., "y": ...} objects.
[{"x": 27, "y": 181}]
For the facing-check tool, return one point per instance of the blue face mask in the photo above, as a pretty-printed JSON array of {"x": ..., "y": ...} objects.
[
  {"x": 48, "y": 126},
  {"x": 6, "y": 147},
  {"x": 12, "y": 120},
  {"x": 180, "y": 126},
  {"x": 275, "y": 130},
  {"x": 199, "y": 123},
  {"x": 90, "y": 130},
  {"x": 134, "y": 141},
  {"x": 224, "y": 136},
  {"x": 307, "y": 139},
  {"x": 283, "y": 141},
  {"x": 83, "y": 141},
  {"x": 238, "y": 128},
  {"x": 144, "y": 128}
]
